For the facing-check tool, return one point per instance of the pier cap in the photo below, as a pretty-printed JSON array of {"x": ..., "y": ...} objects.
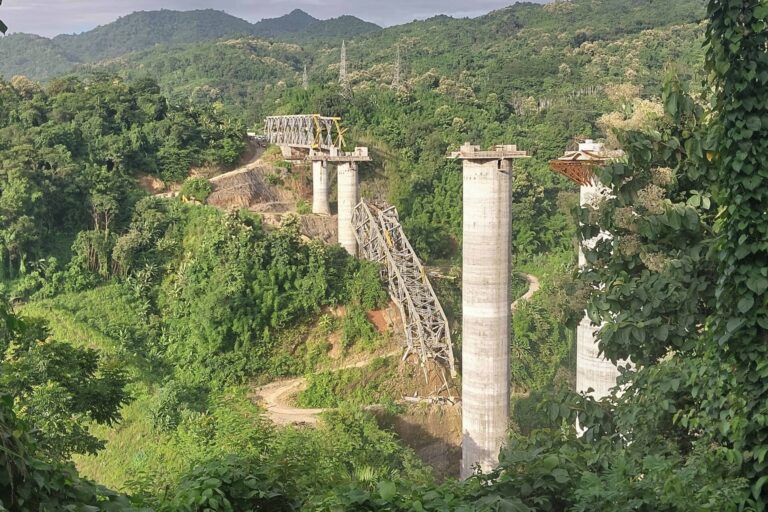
[
  {"x": 579, "y": 166},
  {"x": 360, "y": 154},
  {"x": 499, "y": 152}
]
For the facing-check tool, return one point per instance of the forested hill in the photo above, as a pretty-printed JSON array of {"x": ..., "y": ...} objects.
[
  {"x": 544, "y": 52},
  {"x": 145, "y": 29},
  {"x": 41, "y": 58},
  {"x": 140, "y": 328}
]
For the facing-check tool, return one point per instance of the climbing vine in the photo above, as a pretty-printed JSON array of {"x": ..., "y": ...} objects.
[{"x": 734, "y": 386}]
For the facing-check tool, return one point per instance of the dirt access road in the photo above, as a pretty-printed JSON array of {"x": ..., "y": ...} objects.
[
  {"x": 275, "y": 396},
  {"x": 534, "y": 285}
]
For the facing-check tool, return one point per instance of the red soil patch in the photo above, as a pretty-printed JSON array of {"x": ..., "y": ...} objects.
[{"x": 380, "y": 319}]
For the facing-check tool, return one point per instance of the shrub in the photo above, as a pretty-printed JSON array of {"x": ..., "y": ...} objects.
[
  {"x": 197, "y": 188},
  {"x": 357, "y": 329},
  {"x": 172, "y": 401},
  {"x": 303, "y": 207}
]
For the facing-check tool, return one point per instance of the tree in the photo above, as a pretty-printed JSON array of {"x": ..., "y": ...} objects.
[
  {"x": 58, "y": 389},
  {"x": 733, "y": 388},
  {"x": 28, "y": 483}
]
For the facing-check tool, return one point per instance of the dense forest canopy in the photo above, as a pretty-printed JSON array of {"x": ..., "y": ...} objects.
[{"x": 136, "y": 325}]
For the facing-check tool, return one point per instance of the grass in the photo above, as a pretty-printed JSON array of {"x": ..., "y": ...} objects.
[
  {"x": 139, "y": 456},
  {"x": 95, "y": 319},
  {"x": 107, "y": 319},
  {"x": 519, "y": 285},
  {"x": 134, "y": 447},
  {"x": 370, "y": 385}
]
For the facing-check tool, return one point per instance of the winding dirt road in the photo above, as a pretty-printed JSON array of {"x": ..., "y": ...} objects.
[
  {"x": 275, "y": 396},
  {"x": 533, "y": 287}
]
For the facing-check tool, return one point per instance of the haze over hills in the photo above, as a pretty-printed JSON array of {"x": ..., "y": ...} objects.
[{"x": 41, "y": 58}]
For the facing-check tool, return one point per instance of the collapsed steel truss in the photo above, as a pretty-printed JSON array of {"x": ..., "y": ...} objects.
[
  {"x": 381, "y": 239},
  {"x": 305, "y": 131}
]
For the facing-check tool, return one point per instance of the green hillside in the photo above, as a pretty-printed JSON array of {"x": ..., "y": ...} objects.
[
  {"x": 146, "y": 29},
  {"x": 35, "y": 56},
  {"x": 41, "y": 58},
  {"x": 293, "y": 22},
  {"x": 514, "y": 53},
  {"x": 151, "y": 338}
]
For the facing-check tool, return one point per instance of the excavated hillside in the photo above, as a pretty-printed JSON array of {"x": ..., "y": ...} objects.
[{"x": 276, "y": 193}]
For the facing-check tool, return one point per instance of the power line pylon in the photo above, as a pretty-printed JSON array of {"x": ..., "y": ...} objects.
[
  {"x": 398, "y": 65},
  {"x": 343, "y": 77}
]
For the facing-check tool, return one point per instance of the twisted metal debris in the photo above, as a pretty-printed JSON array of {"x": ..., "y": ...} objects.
[{"x": 381, "y": 239}]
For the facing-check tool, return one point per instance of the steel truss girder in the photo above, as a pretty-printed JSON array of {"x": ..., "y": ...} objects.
[
  {"x": 305, "y": 131},
  {"x": 381, "y": 239}
]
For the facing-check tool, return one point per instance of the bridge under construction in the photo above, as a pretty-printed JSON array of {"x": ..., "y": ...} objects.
[
  {"x": 311, "y": 131},
  {"x": 373, "y": 231}
]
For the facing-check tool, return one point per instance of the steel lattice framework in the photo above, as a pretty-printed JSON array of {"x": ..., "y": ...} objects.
[
  {"x": 381, "y": 239},
  {"x": 311, "y": 131}
]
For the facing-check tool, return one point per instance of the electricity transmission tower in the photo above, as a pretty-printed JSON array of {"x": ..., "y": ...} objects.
[
  {"x": 343, "y": 78},
  {"x": 398, "y": 65}
]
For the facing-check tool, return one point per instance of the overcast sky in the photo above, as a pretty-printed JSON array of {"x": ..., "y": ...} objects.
[{"x": 52, "y": 17}]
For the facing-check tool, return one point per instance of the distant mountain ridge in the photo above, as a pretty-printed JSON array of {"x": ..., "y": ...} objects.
[{"x": 41, "y": 58}]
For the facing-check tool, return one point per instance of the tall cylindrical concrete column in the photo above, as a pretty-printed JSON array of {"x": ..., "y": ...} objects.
[
  {"x": 320, "y": 186},
  {"x": 592, "y": 370},
  {"x": 486, "y": 309},
  {"x": 348, "y": 199}
]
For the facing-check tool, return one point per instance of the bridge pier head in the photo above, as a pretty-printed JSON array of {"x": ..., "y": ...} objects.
[
  {"x": 486, "y": 303},
  {"x": 349, "y": 189},
  {"x": 320, "y": 188}
]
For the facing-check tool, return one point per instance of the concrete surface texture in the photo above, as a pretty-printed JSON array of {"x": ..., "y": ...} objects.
[
  {"x": 592, "y": 370},
  {"x": 320, "y": 188},
  {"x": 486, "y": 312},
  {"x": 349, "y": 196}
]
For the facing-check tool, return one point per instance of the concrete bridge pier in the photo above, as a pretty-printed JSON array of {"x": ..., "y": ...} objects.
[
  {"x": 593, "y": 371},
  {"x": 320, "y": 188},
  {"x": 349, "y": 196},
  {"x": 486, "y": 303}
]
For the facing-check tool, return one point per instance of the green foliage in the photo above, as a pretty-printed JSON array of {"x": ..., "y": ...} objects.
[
  {"x": 172, "y": 401},
  {"x": 41, "y": 58},
  {"x": 662, "y": 237},
  {"x": 53, "y": 411},
  {"x": 356, "y": 329},
  {"x": 196, "y": 188},
  {"x": 303, "y": 207},
  {"x": 358, "y": 386},
  {"x": 68, "y": 154},
  {"x": 59, "y": 389},
  {"x": 541, "y": 344},
  {"x": 365, "y": 289},
  {"x": 232, "y": 484},
  {"x": 203, "y": 297},
  {"x": 235, "y": 286},
  {"x": 283, "y": 164},
  {"x": 731, "y": 386}
]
